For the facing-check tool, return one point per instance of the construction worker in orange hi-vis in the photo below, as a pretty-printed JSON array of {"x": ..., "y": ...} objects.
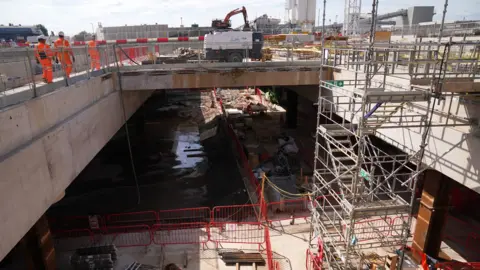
[
  {"x": 44, "y": 56},
  {"x": 64, "y": 51},
  {"x": 94, "y": 54}
]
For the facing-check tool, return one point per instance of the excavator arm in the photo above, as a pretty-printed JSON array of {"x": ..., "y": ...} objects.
[{"x": 226, "y": 22}]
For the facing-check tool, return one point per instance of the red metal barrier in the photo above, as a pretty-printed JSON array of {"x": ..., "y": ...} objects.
[
  {"x": 181, "y": 233},
  {"x": 288, "y": 209},
  {"x": 397, "y": 224},
  {"x": 244, "y": 160},
  {"x": 127, "y": 236},
  {"x": 312, "y": 262},
  {"x": 73, "y": 239},
  {"x": 240, "y": 233},
  {"x": 75, "y": 223},
  {"x": 458, "y": 265},
  {"x": 236, "y": 213},
  {"x": 270, "y": 263},
  {"x": 473, "y": 242},
  {"x": 369, "y": 229},
  {"x": 133, "y": 218},
  {"x": 184, "y": 215}
]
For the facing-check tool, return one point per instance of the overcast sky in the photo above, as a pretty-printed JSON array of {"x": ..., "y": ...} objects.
[{"x": 73, "y": 16}]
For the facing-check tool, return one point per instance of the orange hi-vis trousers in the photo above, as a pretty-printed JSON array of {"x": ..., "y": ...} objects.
[
  {"x": 66, "y": 61},
  {"x": 44, "y": 55},
  {"x": 94, "y": 55},
  {"x": 63, "y": 53}
]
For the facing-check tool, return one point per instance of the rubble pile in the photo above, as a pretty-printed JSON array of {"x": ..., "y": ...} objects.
[
  {"x": 267, "y": 118},
  {"x": 199, "y": 111},
  {"x": 187, "y": 53}
]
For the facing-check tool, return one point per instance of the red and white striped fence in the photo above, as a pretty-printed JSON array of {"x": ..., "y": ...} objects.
[{"x": 143, "y": 40}]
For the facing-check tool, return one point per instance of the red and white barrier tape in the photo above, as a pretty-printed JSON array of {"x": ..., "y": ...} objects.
[{"x": 142, "y": 40}]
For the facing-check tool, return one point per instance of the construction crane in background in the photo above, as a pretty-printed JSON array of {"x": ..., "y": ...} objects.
[
  {"x": 352, "y": 17},
  {"x": 226, "y": 24}
]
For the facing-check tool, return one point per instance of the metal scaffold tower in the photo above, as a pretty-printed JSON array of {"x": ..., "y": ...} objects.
[
  {"x": 363, "y": 191},
  {"x": 352, "y": 17}
]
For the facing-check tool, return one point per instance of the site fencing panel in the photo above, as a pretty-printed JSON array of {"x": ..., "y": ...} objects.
[
  {"x": 185, "y": 215},
  {"x": 73, "y": 239},
  {"x": 132, "y": 218},
  {"x": 473, "y": 242},
  {"x": 236, "y": 213},
  {"x": 288, "y": 210},
  {"x": 397, "y": 225},
  {"x": 372, "y": 228},
  {"x": 312, "y": 261},
  {"x": 93, "y": 223},
  {"x": 126, "y": 236},
  {"x": 181, "y": 233},
  {"x": 239, "y": 233}
]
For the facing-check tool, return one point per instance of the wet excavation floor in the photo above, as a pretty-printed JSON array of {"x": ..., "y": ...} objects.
[{"x": 174, "y": 168}]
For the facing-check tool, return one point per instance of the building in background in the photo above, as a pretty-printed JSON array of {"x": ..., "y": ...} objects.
[
  {"x": 266, "y": 24},
  {"x": 301, "y": 13},
  {"x": 149, "y": 31}
]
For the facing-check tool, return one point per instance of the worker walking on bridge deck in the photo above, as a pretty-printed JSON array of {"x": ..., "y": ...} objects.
[
  {"x": 94, "y": 54},
  {"x": 44, "y": 56},
  {"x": 64, "y": 51}
]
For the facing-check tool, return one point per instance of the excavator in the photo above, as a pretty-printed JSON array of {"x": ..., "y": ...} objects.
[{"x": 226, "y": 24}]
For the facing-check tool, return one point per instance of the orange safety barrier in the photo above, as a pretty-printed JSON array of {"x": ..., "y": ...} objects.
[
  {"x": 236, "y": 213},
  {"x": 127, "y": 236},
  {"x": 132, "y": 218},
  {"x": 239, "y": 232},
  {"x": 181, "y": 233},
  {"x": 184, "y": 215}
]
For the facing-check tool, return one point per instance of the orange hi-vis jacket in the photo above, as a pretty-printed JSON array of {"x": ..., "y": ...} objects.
[
  {"x": 92, "y": 48},
  {"x": 63, "y": 44},
  {"x": 44, "y": 55}
]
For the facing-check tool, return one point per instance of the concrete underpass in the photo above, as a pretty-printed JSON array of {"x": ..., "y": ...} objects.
[{"x": 66, "y": 153}]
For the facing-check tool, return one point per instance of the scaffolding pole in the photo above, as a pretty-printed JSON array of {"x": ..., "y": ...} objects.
[{"x": 363, "y": 194}]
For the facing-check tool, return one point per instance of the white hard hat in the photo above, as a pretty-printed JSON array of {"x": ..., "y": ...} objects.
[
  {"x": 61, "y": 33},
  {"x": 41, "y": 37}
]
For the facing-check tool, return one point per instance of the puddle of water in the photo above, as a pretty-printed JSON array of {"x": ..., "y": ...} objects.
[{"x": 188, "y": 149}]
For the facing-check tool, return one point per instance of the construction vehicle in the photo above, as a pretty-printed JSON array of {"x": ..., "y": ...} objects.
[
  {"x": 226, "y": 45},
  {"x": 226, "y": 23},
  {"x": 233, "y": 46}
]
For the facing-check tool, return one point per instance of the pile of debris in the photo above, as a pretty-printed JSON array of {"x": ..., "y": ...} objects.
[
  {"x": 266, "y": 118},
  {"x": 101, "y": 257},
  {"x": 187, "y": 53}
]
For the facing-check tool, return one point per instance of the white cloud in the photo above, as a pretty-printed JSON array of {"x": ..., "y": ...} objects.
[{"x": 75, "y": 16}]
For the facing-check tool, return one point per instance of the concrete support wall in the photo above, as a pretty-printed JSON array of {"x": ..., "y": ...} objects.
[
  {"x": 46, "y": 142},
  {"x": 236, "y": 78}
]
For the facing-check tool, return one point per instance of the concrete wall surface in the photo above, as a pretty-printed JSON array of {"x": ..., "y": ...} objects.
[
  {"x": 46, "y": 142},
  {"x": 155, "y": 80}
]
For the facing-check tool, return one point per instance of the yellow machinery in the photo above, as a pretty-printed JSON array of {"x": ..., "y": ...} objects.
[{"x": 267, "y": 54}]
